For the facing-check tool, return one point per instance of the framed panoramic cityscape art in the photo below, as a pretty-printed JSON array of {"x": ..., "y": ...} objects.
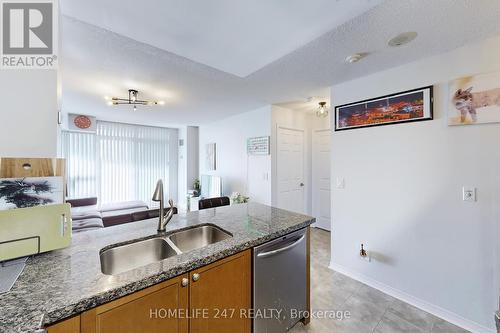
[{"x": 403, "y": 107}]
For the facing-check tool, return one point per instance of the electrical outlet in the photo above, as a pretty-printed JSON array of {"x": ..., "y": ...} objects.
[
  {"x": 340, "y": 182},
  {"x": 469, "y": 194}
]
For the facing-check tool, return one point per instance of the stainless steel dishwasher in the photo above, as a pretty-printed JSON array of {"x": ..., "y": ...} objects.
[{"x": 279, "y": 284}]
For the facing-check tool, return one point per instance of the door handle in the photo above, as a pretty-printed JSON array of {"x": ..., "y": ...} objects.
[
  {"x": 273, "y": 252},
  {"x": 64, "y": 225},
  {"x": 184, "y": 282},
  {"x": 196, "y": 277}
]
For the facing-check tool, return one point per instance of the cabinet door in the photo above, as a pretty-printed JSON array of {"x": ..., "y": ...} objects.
[
  {"x": 160, "y": 308},
  {"x": 71, "y": 325},
  {"x": 223, "y": 290}
]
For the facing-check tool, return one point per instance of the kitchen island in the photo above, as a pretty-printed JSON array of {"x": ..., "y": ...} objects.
[{"x": 61, "y": 284}]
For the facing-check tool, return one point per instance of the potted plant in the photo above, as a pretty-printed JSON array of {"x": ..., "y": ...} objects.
[{"x": 197, "y": 187}]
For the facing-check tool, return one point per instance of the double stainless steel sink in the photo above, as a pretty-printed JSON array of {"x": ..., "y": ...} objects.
[{"x": 126, "y": 257}]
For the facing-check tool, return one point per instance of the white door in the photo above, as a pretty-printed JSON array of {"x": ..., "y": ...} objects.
[
  {"x": 321, "y": 178},
  {"x": 290, "y": 169}
]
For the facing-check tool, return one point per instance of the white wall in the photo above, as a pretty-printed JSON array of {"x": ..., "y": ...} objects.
[
  {"x": 249, "y": 175},
  {"x": 257, "y": 178},
  {"x": 192, "y": 154},
  {"x": 182, "y": 171},
  {"x": 173, "y": 169},
  {"x": 403, "y": 198},
  {"x": 188, "y": 162},
  {"x": 28, "y": 113},
  {"x": 318, "y": 123}
]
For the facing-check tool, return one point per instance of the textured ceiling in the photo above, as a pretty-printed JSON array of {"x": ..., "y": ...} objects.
[
  {"x": 237, "y": 37},
  {"x": 96, "y": 62}
]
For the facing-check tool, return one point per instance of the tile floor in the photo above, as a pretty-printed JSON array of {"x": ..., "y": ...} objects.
[{"x": 370, "y": 310}]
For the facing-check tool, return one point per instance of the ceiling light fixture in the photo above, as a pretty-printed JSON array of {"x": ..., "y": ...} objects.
[
  {"x": 322, "y": 110},
  {"x": 402, "y": 39},
  {"x": 133, "y": 99},
  {"x": 354, "y": 58}
]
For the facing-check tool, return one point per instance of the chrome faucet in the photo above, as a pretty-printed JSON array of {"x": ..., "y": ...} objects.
[{"x": 163, "y": 218}]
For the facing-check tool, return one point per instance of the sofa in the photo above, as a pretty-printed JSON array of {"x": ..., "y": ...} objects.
[{"x": 87, "y": 215}]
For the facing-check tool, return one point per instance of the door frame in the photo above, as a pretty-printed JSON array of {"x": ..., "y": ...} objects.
[
  {"x": 304, "y": 164},
  {"x": 314, "y": 184}
]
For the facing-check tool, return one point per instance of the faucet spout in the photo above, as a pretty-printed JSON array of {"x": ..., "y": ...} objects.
[{"x": 164, "y": 218}]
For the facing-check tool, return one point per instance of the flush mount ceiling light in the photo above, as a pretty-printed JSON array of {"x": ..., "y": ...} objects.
[
  {"x": 402, "y": 39},
  {"x": 354, "y": 57},
  {"x": 322, "y": 110},
  {"x": 133, "y": 99}
]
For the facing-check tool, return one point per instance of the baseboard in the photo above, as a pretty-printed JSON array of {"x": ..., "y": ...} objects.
[{"x": 421, "y": 304}]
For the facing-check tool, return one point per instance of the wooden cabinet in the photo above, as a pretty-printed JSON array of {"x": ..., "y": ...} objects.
[
  {"x": 223, "y": 290},
  {"x": 71, "y": 325},
  {"x": 154, "y": 309},
  {"x": 207, "y": 300}
]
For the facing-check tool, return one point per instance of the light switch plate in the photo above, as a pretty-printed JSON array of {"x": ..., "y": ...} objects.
[
  {"x": 469, "y": 194},
  {"x": 340, "y": 182}
]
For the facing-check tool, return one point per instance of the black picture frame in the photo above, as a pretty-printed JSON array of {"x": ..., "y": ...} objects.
[{"x": 428, "y": 100}]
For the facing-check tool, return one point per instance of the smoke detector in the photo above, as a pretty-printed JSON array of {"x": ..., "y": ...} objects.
[
  {"x": 354, "y": 57},
  {"x": 402, "y": 39}
]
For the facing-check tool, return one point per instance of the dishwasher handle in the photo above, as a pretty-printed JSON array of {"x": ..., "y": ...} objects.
[{"x": 270, "y": 253}]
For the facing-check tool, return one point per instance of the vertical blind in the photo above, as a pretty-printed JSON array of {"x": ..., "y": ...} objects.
[
  {"x": 127, "y": 161},
  {"x": 80, "y": 152}
]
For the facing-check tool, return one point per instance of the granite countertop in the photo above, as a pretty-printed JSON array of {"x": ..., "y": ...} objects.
[{"x": 62, "y": 283}]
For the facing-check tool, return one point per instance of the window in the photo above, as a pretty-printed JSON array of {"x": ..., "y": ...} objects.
[{"x": 120, "y": 162}]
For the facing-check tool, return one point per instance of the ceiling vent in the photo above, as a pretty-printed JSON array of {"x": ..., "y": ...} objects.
[{"x": 402, "y": 39}]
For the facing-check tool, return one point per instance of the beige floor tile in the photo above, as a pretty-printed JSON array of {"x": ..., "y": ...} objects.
[
  {"x": 315, "y": 326},
  {"x": 342, "y": 281},
  {"x": 375, "y": 296},
  {"x": 364, "y": 314},
  {"x": 391, "y": 323},
  {"x": 331, "y": 299},
  {"x": 417, "y": 317},
  {"x": 441, "y": 326}
]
